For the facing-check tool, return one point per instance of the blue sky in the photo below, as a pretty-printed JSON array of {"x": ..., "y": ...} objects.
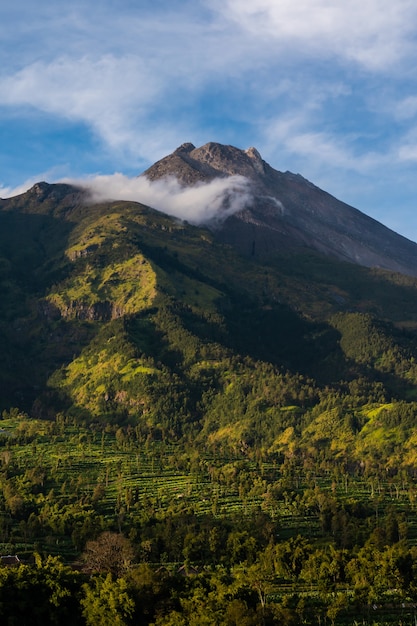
[{"x": 323, "y": 88}]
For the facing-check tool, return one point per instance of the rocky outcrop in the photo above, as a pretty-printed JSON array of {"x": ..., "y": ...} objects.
[
  {"x": 97, "y": 312},
  {"x": 79, "y": 253}
]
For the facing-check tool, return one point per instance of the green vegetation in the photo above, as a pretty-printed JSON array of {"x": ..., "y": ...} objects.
[
  {"x": 189, "y": 437},
  {"x": 177, "y": 532}
]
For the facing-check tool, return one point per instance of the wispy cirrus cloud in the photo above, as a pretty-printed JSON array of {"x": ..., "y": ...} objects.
[
  {"x": 293, "y": 132},
  {"x": 106, "y": 93},
  {"x": 406, "y": 108},
  {"x": 157, "y": 65},
  {"x": 375, "y": 34}
]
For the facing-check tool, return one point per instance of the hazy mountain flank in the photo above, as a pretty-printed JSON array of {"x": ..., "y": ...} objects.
[{"x": 287, "y": 212}]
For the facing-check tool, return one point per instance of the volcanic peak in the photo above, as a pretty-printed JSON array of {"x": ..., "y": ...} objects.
[{"x": 287, "y": 213}]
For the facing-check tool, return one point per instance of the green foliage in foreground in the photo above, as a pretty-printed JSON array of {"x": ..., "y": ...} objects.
[
  {"x": 49, "y": 592},
  {"x": 170, "y": 534}
]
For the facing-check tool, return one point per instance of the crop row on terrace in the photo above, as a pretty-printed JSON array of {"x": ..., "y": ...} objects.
[
  {"x": 125, "y": 479},
  {"x": 311, "y": 534}
]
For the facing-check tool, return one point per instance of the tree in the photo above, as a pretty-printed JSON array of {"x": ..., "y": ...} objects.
[
  {"x": 257, "y": 578},
  {"x": 290, "y": 557},
  {"x": 110, "y": 552},
  {"x": 46, "y": 593},
  {"x": 338, "y": 604},
  {"x": 107, "y": 602},
  {"x": 238, "y": 614}
]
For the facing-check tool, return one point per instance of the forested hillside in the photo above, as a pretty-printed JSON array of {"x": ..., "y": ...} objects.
[{"x": 236, "y": 434}]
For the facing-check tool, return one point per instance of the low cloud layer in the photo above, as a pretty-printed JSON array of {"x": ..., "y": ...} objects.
[{"x": 200, "y": 204}]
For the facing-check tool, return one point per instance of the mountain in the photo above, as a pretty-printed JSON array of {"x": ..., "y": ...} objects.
[
  {"x": 288, "y": 213},
  {"x": 240, "y": 420},
  {"x": 115, "y": 313}
]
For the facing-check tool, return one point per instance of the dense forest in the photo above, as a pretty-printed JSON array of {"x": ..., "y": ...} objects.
[{"x": 188, "y": 436}]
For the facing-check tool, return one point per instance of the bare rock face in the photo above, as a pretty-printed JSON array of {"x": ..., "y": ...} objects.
[
  {"x": 288, "y": 213},
  {"x": 191, "y": 165}
]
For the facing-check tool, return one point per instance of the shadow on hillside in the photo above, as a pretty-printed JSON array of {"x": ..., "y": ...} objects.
[
  {"x": 276, "y": 334},
  {"x": 151, "y": 341},
  {"x": 32, "y": 345}
]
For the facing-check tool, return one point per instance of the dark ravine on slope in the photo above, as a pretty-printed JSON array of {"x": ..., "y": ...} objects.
[{"x": 288, "y": 212}]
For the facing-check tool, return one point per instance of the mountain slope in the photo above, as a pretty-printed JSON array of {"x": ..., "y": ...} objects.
[
  {"x": 287, "y": 212},
  {"x": 114, "y": 312}
]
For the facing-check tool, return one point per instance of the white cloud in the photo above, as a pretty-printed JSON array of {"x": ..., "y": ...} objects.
[
  {"x": 332, "y": 151},
  {"x": 375, "y": 33},
  {"x": 407, "y": 108},
  {"x": 308, "y": 137},
  {"x": 201, "y": 203},
  {"x": 107, "y": 93},
  {"x": 408, "y": 152},
  {"x": 9, "y": 192}
]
